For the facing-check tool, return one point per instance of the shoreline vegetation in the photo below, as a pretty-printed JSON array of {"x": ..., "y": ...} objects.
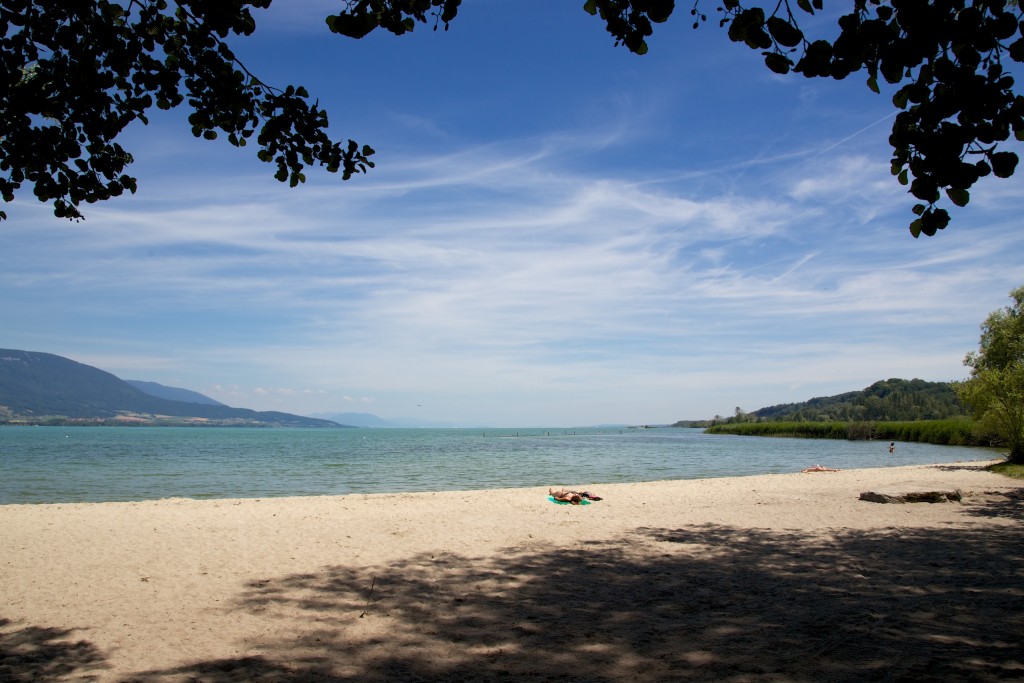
[
  {"x": 888, "y": 410},
  {"x": 950, "y": 432}
]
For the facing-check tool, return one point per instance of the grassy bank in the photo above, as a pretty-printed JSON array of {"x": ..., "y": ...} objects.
[
  {"x": 944, "y": 432},
  {"x": 1008, "y": 469}
]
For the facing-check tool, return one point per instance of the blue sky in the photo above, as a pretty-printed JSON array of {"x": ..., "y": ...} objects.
[{"x": 558, "y": 233}]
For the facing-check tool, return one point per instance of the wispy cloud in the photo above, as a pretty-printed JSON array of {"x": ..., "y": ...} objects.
[{"x": 595, "y": 266}]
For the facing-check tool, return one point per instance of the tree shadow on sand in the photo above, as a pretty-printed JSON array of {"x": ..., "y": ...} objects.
[
  {"x": 709, "y": 602},
  {"x": 1007, "y": 504},
  {"x": 33, "y": 653}
]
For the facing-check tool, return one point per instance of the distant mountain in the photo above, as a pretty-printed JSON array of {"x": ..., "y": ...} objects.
[
  {"x": 42, "y": 387},
  {"x": 172, "y": 393},
  {"x": 369, "y": 420}
]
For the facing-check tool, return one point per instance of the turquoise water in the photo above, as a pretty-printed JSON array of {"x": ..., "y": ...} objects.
[{"x": 74, "y": 464}]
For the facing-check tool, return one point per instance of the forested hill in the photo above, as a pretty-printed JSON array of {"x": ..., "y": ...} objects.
[
  {"x": 886, "y": 400},
  {"x": 44, "y": 388}
]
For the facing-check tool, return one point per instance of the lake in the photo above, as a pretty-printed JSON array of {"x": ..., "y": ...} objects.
[{"x": 79, "y": 464}]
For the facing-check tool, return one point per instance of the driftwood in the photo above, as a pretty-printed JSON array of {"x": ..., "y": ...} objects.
[{"x": 918, "y": 497}]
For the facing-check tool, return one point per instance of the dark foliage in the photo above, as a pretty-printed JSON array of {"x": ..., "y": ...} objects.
[
  {"x": 889, "y": 410},
  {"x": 886, "y": 400},
  {"x": 75, "y": 74},
  {"x": 995, "y": 389},
  {"x": 954, "y": 432},
  {"x": 949, "y": 59}
]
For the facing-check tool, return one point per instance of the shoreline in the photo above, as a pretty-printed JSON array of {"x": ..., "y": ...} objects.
[
  {"x": 482, "y": 489},
  {"x": 137, "y": 464},
  {"x": 747, "y": 577},
  {"x": 489, "y": 489}
]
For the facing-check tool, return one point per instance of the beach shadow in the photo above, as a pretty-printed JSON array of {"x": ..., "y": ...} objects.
[
  {"x": 1008, "y": 504},
  {"x": 959, "y": 467},
  {"x": 709, "y": 602},
  {"x": 33, "y": 653},
  {"x": 240, "y": 670}
]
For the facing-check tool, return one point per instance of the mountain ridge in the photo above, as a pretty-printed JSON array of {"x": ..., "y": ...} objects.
[
  {"x": 43, "y": 387},
  {"x": 172, "y": 393}
]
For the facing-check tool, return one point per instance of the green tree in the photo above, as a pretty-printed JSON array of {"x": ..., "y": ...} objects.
[
  {"x": 995, "y": 390},
  {"x": 77, "y": 72}
]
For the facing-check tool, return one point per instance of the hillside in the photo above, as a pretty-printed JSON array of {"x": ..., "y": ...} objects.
[
  {"x": 884, "y": 401},
  {"x": 171, "y": 393},
  {"x": 42, "y": 387}
]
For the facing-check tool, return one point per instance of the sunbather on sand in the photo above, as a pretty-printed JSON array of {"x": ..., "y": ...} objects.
[
  {"x": 574, "y": 497},
  {"x": 565, "y": 496},
  {"x": 819, "y": 468}
]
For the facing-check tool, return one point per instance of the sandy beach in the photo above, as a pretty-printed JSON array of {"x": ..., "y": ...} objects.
[{"x": 765, "y": 578}]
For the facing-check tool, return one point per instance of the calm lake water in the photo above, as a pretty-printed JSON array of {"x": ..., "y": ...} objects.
[{"x": 75, "y": 464}]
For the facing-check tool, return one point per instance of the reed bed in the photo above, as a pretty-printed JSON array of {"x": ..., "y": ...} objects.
[{"x": 951, "y": 432}]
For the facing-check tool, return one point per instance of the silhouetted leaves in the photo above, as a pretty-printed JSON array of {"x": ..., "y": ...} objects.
[
  {"x": 629, "y": 21},
  {"x": 958, "y": 196},
  {"x": 784, "y": 33},
  {"x": 956, "y": 100},
  {"x": 75, "y": 75},
  {"x": 1003, "y": 164},
  {"x": 398, "y": 16},
  {"x": 780, "y": 64}
]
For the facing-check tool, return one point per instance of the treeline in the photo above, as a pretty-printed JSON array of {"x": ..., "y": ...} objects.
[
  {"x": 891, "y": 400},
  {"x": 884, "y": 401},
  {"x": 951, "y": 432},
  {"x": 889, "y": 410}
]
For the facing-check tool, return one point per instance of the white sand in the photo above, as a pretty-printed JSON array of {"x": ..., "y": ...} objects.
[{"x": 776, "y": 577}]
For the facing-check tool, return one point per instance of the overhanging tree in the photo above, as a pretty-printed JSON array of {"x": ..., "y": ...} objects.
[
  {"x": 77, "y": 72},
  {"x": 995, "y": 390}
]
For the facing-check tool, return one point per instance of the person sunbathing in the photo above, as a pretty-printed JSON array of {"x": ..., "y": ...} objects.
[
  {"x": 574, "y": 497},
  {"x": 819, "y": 468},
  {"x": 565, "y": 496}
]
